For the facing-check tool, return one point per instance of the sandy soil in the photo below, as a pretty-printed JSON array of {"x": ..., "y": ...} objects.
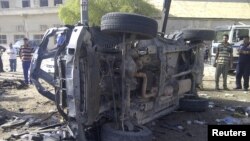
[{"x": 28, "y": 102}]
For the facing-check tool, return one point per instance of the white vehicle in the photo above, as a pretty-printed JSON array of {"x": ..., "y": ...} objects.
[
  {"x": 235, "y": 33},
  {"x": 17, "y": 45},
  {"x": 48, "y": 65}
]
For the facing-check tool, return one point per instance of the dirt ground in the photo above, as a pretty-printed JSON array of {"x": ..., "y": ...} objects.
[{"x": 177, "y": 126}]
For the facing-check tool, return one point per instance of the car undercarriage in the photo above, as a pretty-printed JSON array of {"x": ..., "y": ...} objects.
[{"x": 117, "y": 77}]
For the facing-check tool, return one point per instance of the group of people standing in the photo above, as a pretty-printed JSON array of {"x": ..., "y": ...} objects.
[
  {"x": 224, "y": 60},
  {"x": 25, "y": 54},
  {"x": 12, "y": 58}
]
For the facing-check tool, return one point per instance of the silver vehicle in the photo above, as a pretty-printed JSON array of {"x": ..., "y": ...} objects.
[{"x": 111, "y": 80}]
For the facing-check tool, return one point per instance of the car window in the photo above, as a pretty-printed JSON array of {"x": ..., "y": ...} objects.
[{"x": 238, "y": 34}]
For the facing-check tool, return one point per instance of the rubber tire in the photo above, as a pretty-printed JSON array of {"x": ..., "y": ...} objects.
[
  {"x": 110, "y": 134},
  {"x": 193, "y": 104},
  {"x": 141, "y": 26},
  {"x": 198, "y": 34}
]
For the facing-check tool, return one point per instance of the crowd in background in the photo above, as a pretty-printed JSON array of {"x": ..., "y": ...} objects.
[
  {"x": 224, "y": 61},
  {"x": 25, "y": 53}
]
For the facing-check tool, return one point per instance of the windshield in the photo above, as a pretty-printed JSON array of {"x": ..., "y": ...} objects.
[
  {"x": 238, "y": 34},
  {"x": 219, "y": 35}
]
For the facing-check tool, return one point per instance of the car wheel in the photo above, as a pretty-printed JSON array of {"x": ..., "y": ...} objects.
[
  {"x": 198, "y": 34},
  {"x": 193, "y": 104},
  {"x": 140, "y": 133},
  {"x": 141, "y": 26}
]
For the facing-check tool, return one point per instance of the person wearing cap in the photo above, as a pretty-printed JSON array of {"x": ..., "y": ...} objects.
[
  {"x": 243, "y": 66},
  {"x": 26, "y": 53}
]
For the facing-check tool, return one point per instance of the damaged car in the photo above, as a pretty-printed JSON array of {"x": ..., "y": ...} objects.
[{"x": 111, "y": 80}]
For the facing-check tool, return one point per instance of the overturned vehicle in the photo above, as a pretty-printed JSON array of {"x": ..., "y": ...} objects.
[{"x": 121, "y": 75}]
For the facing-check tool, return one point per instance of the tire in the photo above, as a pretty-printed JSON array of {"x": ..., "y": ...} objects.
[
  {"x": 193, "y": 104},
  {"x": 111, "y": 134},
  {"x": 198, "y": 34},
  {"x": 141, "y": 26}
]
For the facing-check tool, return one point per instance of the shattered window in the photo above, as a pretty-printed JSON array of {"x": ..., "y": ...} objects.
[{"x": 238, "y": 34}]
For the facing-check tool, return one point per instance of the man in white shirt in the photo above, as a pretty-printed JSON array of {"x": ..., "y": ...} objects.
[
  {"x": 12, "y": 58},
  {"x": 2, "y": 49}
]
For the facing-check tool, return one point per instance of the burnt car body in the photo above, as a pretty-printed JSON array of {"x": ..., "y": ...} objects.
[{"x": 121, "y": 75}]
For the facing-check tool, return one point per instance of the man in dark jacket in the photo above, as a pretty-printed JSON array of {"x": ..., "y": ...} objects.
[
  {"x": 2, "y": 49},
  {"x": 243, "y": 66}
]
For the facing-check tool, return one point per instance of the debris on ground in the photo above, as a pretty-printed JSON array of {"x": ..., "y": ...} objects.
[
  {"x": 229, "y": 95},
  {"x": 204, "y": 95},
  {"x": 2, "y": 91},
  {"x": 189, "y": 122},
  {"x": 13, "y": 84},
  {"x": 21, "y": 110},
  {"x": 199, "y": 122},
  {"x": 16, "y": 121},
  {"x": 242, "y": 100},
  {"x": 27, "y": 121},
  {"x": 247, "y": 112},
  {"x": 211, "y": 104},
  {"x": 228, "y": 120},
  {"x": 230, "y": 109},
  {"x": 174, "y": 127},
  {"x": 49, "y": 133},
  {"x": 2, "y": 119}
]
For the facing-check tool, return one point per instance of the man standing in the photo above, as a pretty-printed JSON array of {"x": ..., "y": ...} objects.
[
  {"x": 2, "y": 49},
  {"x": 223, "y": 61},
  {"x": 26, "y": 53},
  {"x": 243, "y": 66},
  {"x": 12, "y": 58}
]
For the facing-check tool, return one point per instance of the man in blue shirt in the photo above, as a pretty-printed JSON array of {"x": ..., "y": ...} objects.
[{"x": 243, "y": 66}]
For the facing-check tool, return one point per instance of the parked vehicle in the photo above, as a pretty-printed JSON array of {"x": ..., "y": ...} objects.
[
  {"x": 236, "y": 34},
  {"x": 111, "y": 80}
]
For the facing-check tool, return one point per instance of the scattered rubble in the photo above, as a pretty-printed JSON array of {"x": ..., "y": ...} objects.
[
  {"x": 230, "y": 109},
  {"x": 211, "y": 104},
  {"x": 199, "y": 122},
  {"x": 13, "y": 84},
  {"x": 16, "y": 121},
  {"x": 177, "y": 128},
  {"x": 229, "y": 95},
  {"x": 2, "y": 119},
  {"x": 228, "y": 120}
]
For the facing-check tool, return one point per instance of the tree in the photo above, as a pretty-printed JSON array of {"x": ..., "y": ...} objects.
[{"x": 69, "y": 13}]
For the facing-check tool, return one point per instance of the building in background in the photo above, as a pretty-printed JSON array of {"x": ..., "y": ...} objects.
[
  {"x": 27, "y": 18},
  {"x": 30, "y": 18},
  {"x": 205, "y": 13}
]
